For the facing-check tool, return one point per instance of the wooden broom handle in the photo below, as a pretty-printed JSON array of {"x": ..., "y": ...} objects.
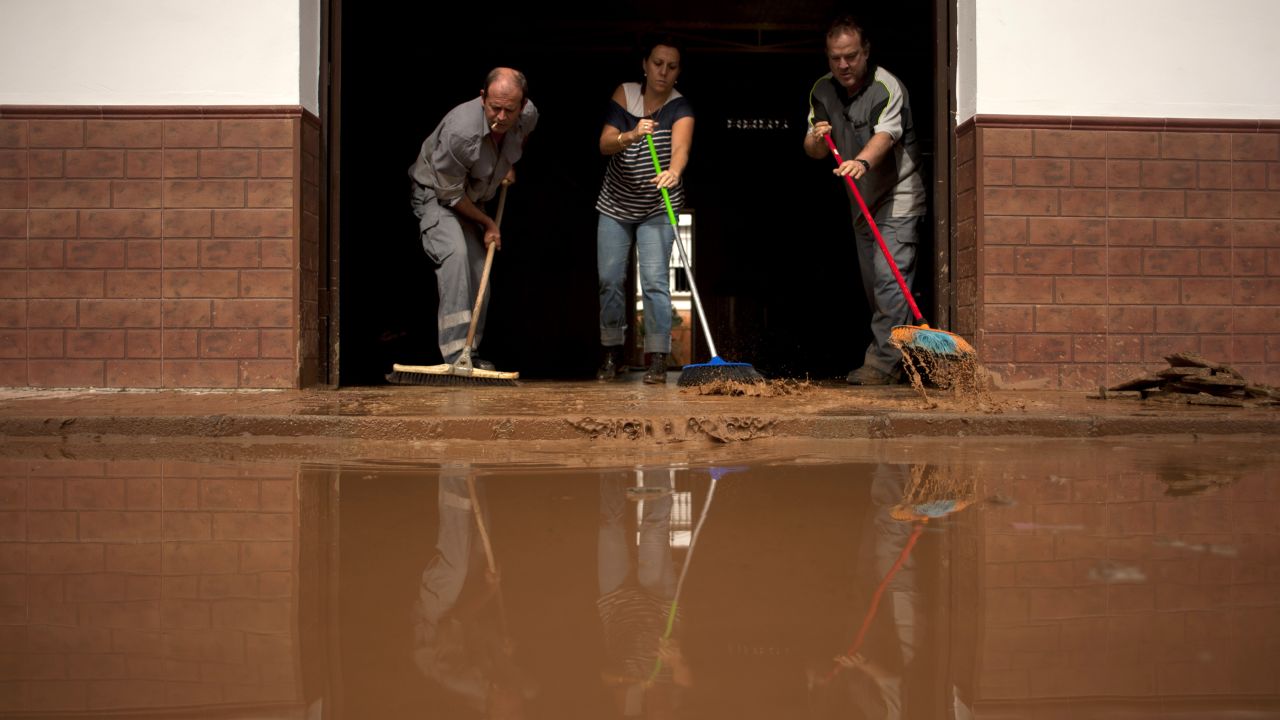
[
  {"x": 480, "y": 525},
  {"x": 484, "y": 276}
]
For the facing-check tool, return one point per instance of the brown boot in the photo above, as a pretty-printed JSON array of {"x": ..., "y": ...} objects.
[
  {"x": 657, "y": 372},
  {"x": 611, "y": 365}
]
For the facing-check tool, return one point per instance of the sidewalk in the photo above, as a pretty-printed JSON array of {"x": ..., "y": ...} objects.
[{"x": 590, "y": 411}]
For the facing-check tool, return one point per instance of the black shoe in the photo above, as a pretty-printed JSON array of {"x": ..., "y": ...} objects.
[
  {"x": 867, "y": 375},
  {"x": 657, "y": 372},
  {"x": 611, "y": 365}
]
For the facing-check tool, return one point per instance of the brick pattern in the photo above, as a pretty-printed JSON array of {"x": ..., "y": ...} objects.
[
  {"x": 146, "y": 585},
  {"x": 1102, "y": 250},
  {"x": 964, "y": 233},
  {"x": 310, "y": 297},
  {"x": 1203, "y": 622},
  {"x": 152, "y": 251}
]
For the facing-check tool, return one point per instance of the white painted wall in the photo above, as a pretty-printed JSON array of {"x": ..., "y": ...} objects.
[
  {"x": 309, "y": 55},
  {"x": 1129, "y": 58},
  {"x": 966, "y": 60},
  {"x": 159, "y": 52}
]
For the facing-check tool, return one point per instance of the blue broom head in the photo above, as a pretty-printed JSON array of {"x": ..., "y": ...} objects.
[
  {"x": 717, "y": 370},
  {"x": 936, "y": 508},
  {"x": 937, "y": 343}
]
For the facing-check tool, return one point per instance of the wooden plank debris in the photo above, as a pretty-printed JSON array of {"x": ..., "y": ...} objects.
[{"x": 1193, "y": 380}]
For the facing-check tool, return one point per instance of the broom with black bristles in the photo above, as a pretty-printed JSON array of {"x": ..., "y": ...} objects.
[
  {"x": 717, "y": 369},
  {"x": 461, "y": 371},
  {"x": 920, "y": 338}
]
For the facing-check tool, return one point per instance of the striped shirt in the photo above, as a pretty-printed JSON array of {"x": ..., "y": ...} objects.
[
  {"x": 628, "y": 193},
  {"x": 633, "y": 621}
]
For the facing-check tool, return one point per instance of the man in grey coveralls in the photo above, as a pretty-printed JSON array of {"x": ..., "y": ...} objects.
[
  {"x": 460, "y": 167},
  {"x": 867, "y": 112}
]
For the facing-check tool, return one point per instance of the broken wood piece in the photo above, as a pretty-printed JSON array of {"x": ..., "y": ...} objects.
[
  {"x": 1214, "y": 381},
  {"x": 1215, "y": 400},
  {"x": 1190, "y": 359},
  {"x": 1141, "y": 383},
  {"x": 1180, "y": 372}
]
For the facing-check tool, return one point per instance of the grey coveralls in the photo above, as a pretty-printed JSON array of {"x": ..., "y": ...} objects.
[
  {"x": 461, "y": 156},
  {"x": 893, "y": 190}
]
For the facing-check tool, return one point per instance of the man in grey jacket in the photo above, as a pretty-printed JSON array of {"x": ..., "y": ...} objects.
[
  {"x": 868, "y": 115},
  {"x": 461, "y": 165}
]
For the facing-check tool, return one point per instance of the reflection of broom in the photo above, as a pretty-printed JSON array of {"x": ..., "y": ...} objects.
[
  {"x": 717, "y": 368},
  {"x": 856, "y": 645},
  {"x": 929, "y": 495},
  {"x": 488, "y": 552},
  {"x": 918, "y": 338},
  {"x": 716, "y": 473},
  {"x": 933, "y": 493}
]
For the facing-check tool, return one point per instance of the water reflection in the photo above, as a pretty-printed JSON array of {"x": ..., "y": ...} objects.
[
  {"x": 644, "y": 666},
  {"x": 461, "y": 638},
  {"x": 904, "y": 499},
  {"x": 1052, "y": 581}
]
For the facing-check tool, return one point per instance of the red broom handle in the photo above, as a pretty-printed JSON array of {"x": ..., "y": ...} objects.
[
  {"x": 856, "y": 645},
  {"x": 876, "y": 231}
]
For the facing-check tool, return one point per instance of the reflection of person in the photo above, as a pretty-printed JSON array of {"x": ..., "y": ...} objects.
[
  {"x": 460, "y": 638},
  {"x": 460, "y": 166},
  {"x": 635, "y": 599},
  {"x": 631, "y": 207},
  {"x": 873, "y": 673},
  {"x": 866, "y": 111}
]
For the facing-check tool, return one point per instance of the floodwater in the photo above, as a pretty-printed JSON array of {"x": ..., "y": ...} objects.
[{"x": 969, "y": 578}]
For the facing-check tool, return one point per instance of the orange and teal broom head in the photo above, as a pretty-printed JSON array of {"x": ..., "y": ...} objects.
[{"x": 930, "y": 341}]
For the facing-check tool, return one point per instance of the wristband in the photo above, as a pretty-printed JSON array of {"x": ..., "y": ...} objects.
[{"x": 865, "y": 165}]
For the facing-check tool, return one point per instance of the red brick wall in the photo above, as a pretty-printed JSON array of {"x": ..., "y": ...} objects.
[
  {"x": 1103, "y": 247},
  {"x": 157, "y": 247},
  {"x": 965, "y": 234},
  {"x": 142, "y": 584},
  {"x": 310, "y": 296}
]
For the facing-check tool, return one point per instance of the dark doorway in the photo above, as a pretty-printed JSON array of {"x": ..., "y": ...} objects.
[{"x": 776, "y": 268}]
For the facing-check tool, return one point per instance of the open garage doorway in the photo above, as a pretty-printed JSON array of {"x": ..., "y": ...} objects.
[{"x": 775, "y": 262}]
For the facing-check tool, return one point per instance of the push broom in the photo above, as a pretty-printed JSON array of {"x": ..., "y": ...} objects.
[
  {"x": 717, "y": 369},
  {"x": 910, "y": 338},
  {"x": 461, "y": 371}
]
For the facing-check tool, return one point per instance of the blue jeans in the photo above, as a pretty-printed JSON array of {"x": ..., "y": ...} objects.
[
  {"x": 653, "y": 239},
  {"x": 654, "y": 569}
]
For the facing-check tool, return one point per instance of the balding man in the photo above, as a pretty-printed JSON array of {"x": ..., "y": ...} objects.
[{"x": 460, "y": 167}]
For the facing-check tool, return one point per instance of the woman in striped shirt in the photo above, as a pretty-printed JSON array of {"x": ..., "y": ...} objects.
[{"x": 632, "y": 209}]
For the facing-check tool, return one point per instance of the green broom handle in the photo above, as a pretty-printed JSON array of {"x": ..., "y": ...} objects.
[
  {"x": 688, "y": 266},
  {"x": 876, "y": 231},
  {"x": 688, "y": 559}
]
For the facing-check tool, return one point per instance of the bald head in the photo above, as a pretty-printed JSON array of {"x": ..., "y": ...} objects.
[{"x": 506, "y": 81}]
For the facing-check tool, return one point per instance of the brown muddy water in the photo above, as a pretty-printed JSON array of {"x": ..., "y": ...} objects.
[{"x": 964, "y": 578}]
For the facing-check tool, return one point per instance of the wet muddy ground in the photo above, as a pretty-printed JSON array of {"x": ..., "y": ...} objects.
[
  {"x": 570, "y": 551},
  {"x": 1133, "y": 577},
  {"x": 614, "y": 419}
]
